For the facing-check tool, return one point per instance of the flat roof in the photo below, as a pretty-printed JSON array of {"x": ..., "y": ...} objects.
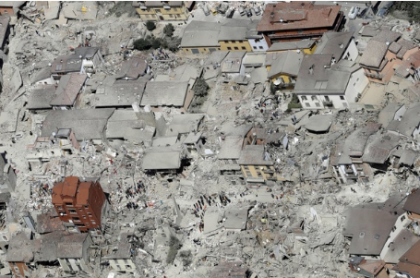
[
  {"x": 161, "y": 159},
  {"x": 165, "y": 93},
  {"x": 123, "y": 93},
  {"x": 201, "y": 34},
  {"x": 231, "y": 147},
  {"x": 253, "y": 155}
]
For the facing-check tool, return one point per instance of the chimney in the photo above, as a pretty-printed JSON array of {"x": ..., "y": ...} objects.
[{"x": 272, "y": 15}]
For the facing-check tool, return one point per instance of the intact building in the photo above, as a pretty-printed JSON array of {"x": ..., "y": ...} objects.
[
  {"x": 298, "y": 20},
  {"x": 161, "y": 10},
  {"x": 82, "y": 204}
]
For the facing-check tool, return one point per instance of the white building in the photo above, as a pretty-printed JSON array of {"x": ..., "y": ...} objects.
[{"x": 323, "y": 83}]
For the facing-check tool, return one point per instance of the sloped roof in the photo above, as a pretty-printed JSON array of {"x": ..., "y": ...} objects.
[
  {"x": 68, "y": 89},
  {"x": 297, "y": 15},
  {"x": 288, "y": 62}
]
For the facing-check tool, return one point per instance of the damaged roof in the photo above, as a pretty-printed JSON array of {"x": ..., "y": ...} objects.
[
  {"x": 161, "y": 158},
  {"x": 165, "y": 93},
  {"x": 86, "y": 124},
  {"x": 71, "y": 246},
  {"x": 369, "y": 225},
  {"x": 231, "y": 147},
  {"x": 380, "y": 148},
  {"x": 292, "y": 45},
  {"x": 123, "y": 93},
  {"x": 254, "y": 155},
  {"x": 68, "y": 89}
]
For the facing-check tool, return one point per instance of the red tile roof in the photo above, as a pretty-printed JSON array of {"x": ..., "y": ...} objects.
[{"x": 297, "y": 15}]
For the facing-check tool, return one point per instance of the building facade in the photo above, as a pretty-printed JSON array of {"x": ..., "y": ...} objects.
[
  {"x": 162, "y": 10},
  {"x": 82, "y": 204},
  {"x": 233, "y": 45},
  {"x": 290, "y": 21}
]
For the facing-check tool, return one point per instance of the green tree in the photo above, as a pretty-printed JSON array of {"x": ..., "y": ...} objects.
[
  {"x": 200, "y": 87},
  {"x": 169, "y": 30},
  {"x": 150, "y": 25},
  {"x": 142, "y": 44}
]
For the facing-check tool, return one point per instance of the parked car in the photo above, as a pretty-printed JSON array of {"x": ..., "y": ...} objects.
[{"x": 353, "y": 12}]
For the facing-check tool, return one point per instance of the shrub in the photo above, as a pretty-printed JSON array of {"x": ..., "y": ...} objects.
[
  {"x": 142, "y": 44},
  {"x": 169, "y": 30},
  {"x": 200, "y": 87},
  {"x": 150, "y": 25}
]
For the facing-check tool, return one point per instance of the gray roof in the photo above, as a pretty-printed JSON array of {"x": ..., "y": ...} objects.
[
  {"x": 334, "y": 43},
  {"x": 123, "y": 252},
  {"x": 292, "y": 45},
  {"x": 354, "y": 144},
  {"x": 161, "y": 158},
  {"x": 380, "y": 148},
  {"x": 386, "y": 35},
  {"x": 41, "y": 74},
  {"x": 374, "y": 54},
  {"x": 71, "y": 246},
  {"x": 408, "y": 157},
  {"x": 132, "y": 68},
  {"x": 20, "y": 249},
  {"x": 388, "y": 113},
  {"x": 192, "y": 138},
  {"x": 288, "y": 62},
  {"x": 409, "y": 122},
  {"x": 4, "y": 27},
  {"x": 165, "y": 93},
  {"x": 317, "y": 76},
  {"x": 232, "y": 33},
  {"x": 184, "y": 123},
  {"x": 201, "y": 34},
  {"x": 47, "y": 251},
  {"x": 369, "y": 225},
  {"x": 413, "y": 201},
  {"x": 123, "y": 93},
  {"x": 231, "y": 147},
  {"x": 253, "y": 155},
  {"x": 254, "y": 59},
  {"x": 370, "y": 31},
  {"x": 165, "y": 141},
  {"x": 68, "y": 89},
  {"x": 401, "y": 244},
  {"x": 212, "y": 64},
  {"x": 233, "y": 62},
  {"x": 236, "y": 218},
  {"x": 85, "y": 123},
  {"x": 131, "y": 126},
  {"x": 41, "y": 96},
  {"x": 231, "y": 129},
  {"x": 319, "y": 123},
  {"x": 73, "y": 62}
]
